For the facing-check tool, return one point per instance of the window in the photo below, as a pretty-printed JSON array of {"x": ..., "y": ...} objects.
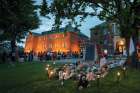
[
  {"x": 56, "y": 36},
  {"x": 44, "y": 38},
  {"x": 64, "y": 45},
  {"x": 50, "y": 45}
]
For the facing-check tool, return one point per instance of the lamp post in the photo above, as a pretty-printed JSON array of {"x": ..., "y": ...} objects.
[
  {"x": 98, "y": 80},
  {"x": 47, "y": 68},
  {"x": 105, "y": 52},
  {"x": 124, "y": 72},
  {"x": 118, "y": 77}
]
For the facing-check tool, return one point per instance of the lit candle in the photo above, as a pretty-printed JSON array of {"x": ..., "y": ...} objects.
[
  {"x": 98, "y": 80},
  {"x": 124, "y": 68},
  {"x": 51, "y": 72},
  {"x": 98, "y": 76},
  {"x": 124, "y": 72},
  {"x": 118, "y": 76},
  {"x": 47, "y": 68}
]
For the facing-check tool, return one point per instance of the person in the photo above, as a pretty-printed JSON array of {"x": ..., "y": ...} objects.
[
  {"x": 82, "y": 83},
  {"x": 103, "y": 66},
  {"x": 13, "y": 56},
  {"x": 103, "y": 61},
  {"x": 30, "y": 56},
  {"x": 4, "y": 56},
  {"x": 60, "y": 75},
  {"x": 72, "y": 74},
  {"x": 90, "y": 76},
  {"x": 76, "y": 64}
]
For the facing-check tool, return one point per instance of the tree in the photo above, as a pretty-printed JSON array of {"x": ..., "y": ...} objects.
[
  {"x": 126, "y": 14},
  {"x": 44, "y": 9},
  {"x": 123, "y": 12},
  {"x": 16, "y": 19}
]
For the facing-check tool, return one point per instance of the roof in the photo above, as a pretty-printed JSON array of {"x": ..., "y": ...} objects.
[
  {"x": 100, "y": 26},
  {"x": 35, "y": 34},
  {"x": 61, "y": 30},
  {"x": 83, "y": 35}
]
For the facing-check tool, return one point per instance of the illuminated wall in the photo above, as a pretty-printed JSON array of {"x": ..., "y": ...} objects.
[
  {"x": 55, "y": 42},
  {"x": 29, "y": 43}
]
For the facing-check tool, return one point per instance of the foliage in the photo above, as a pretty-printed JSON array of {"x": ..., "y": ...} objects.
[
  {"x": 69, "y": 9},
  {"x": 119, "y": 11},
  {"x": 123, "y": 12},
  {"x": 44, "y": 8},
  {"x": 17, "y": 18}
]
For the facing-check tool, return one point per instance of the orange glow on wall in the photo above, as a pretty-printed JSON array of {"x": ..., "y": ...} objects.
[{"x": 55, "y": 42}]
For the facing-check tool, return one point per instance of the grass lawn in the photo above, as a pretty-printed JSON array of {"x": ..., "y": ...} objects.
[{"x": 32, "y": 78}]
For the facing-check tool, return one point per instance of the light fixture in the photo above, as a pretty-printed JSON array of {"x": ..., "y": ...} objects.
[
  {"x": 121, "y": 42},
  {"x": 98, "y": 76},
  {"x": 105, "y": 51},
  {"x": 118, "y": 74}
]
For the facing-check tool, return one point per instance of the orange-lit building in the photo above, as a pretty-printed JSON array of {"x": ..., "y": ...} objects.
[{"x": 55, "y": 41}]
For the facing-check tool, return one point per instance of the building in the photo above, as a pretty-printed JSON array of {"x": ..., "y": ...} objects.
[
  {"x": 65, "y": 40},
  {"x": 106, "y": 37},
  {"x": 101, "y": 35}
]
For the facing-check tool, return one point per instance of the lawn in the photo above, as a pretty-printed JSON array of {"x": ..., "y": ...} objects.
[{"x": 32, "y": 78}]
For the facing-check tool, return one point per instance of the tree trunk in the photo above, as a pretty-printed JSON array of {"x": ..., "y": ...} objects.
[
  {"x": 13, "y": 50},
  {"x": 134, "y": 56}
]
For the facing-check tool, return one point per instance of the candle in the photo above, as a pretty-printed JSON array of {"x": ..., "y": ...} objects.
[
  {"x": 118, "y": 76},
  {"x": 47, "y": 68},
  {"x": 98, "y": 80}
]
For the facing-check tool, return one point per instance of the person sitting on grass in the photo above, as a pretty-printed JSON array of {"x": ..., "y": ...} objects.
[
  {"x": 60, "y": 74},
  {"x": 82, "y": 83},
  {"x": 90, "y": 76}
]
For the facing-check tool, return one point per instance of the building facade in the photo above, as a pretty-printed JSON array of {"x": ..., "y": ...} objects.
[
  {"x": 102, "y": 37},
  {"x": 55, "y": 41},
  {"x": 106, "y": 37}
]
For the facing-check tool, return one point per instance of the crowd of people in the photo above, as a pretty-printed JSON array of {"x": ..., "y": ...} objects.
[
  {"x": 82, "y": 72},
  {"x": 51, "y": 55},
  {"x": 41, "y": 56},
  {"x": 8, "y": 57}
]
